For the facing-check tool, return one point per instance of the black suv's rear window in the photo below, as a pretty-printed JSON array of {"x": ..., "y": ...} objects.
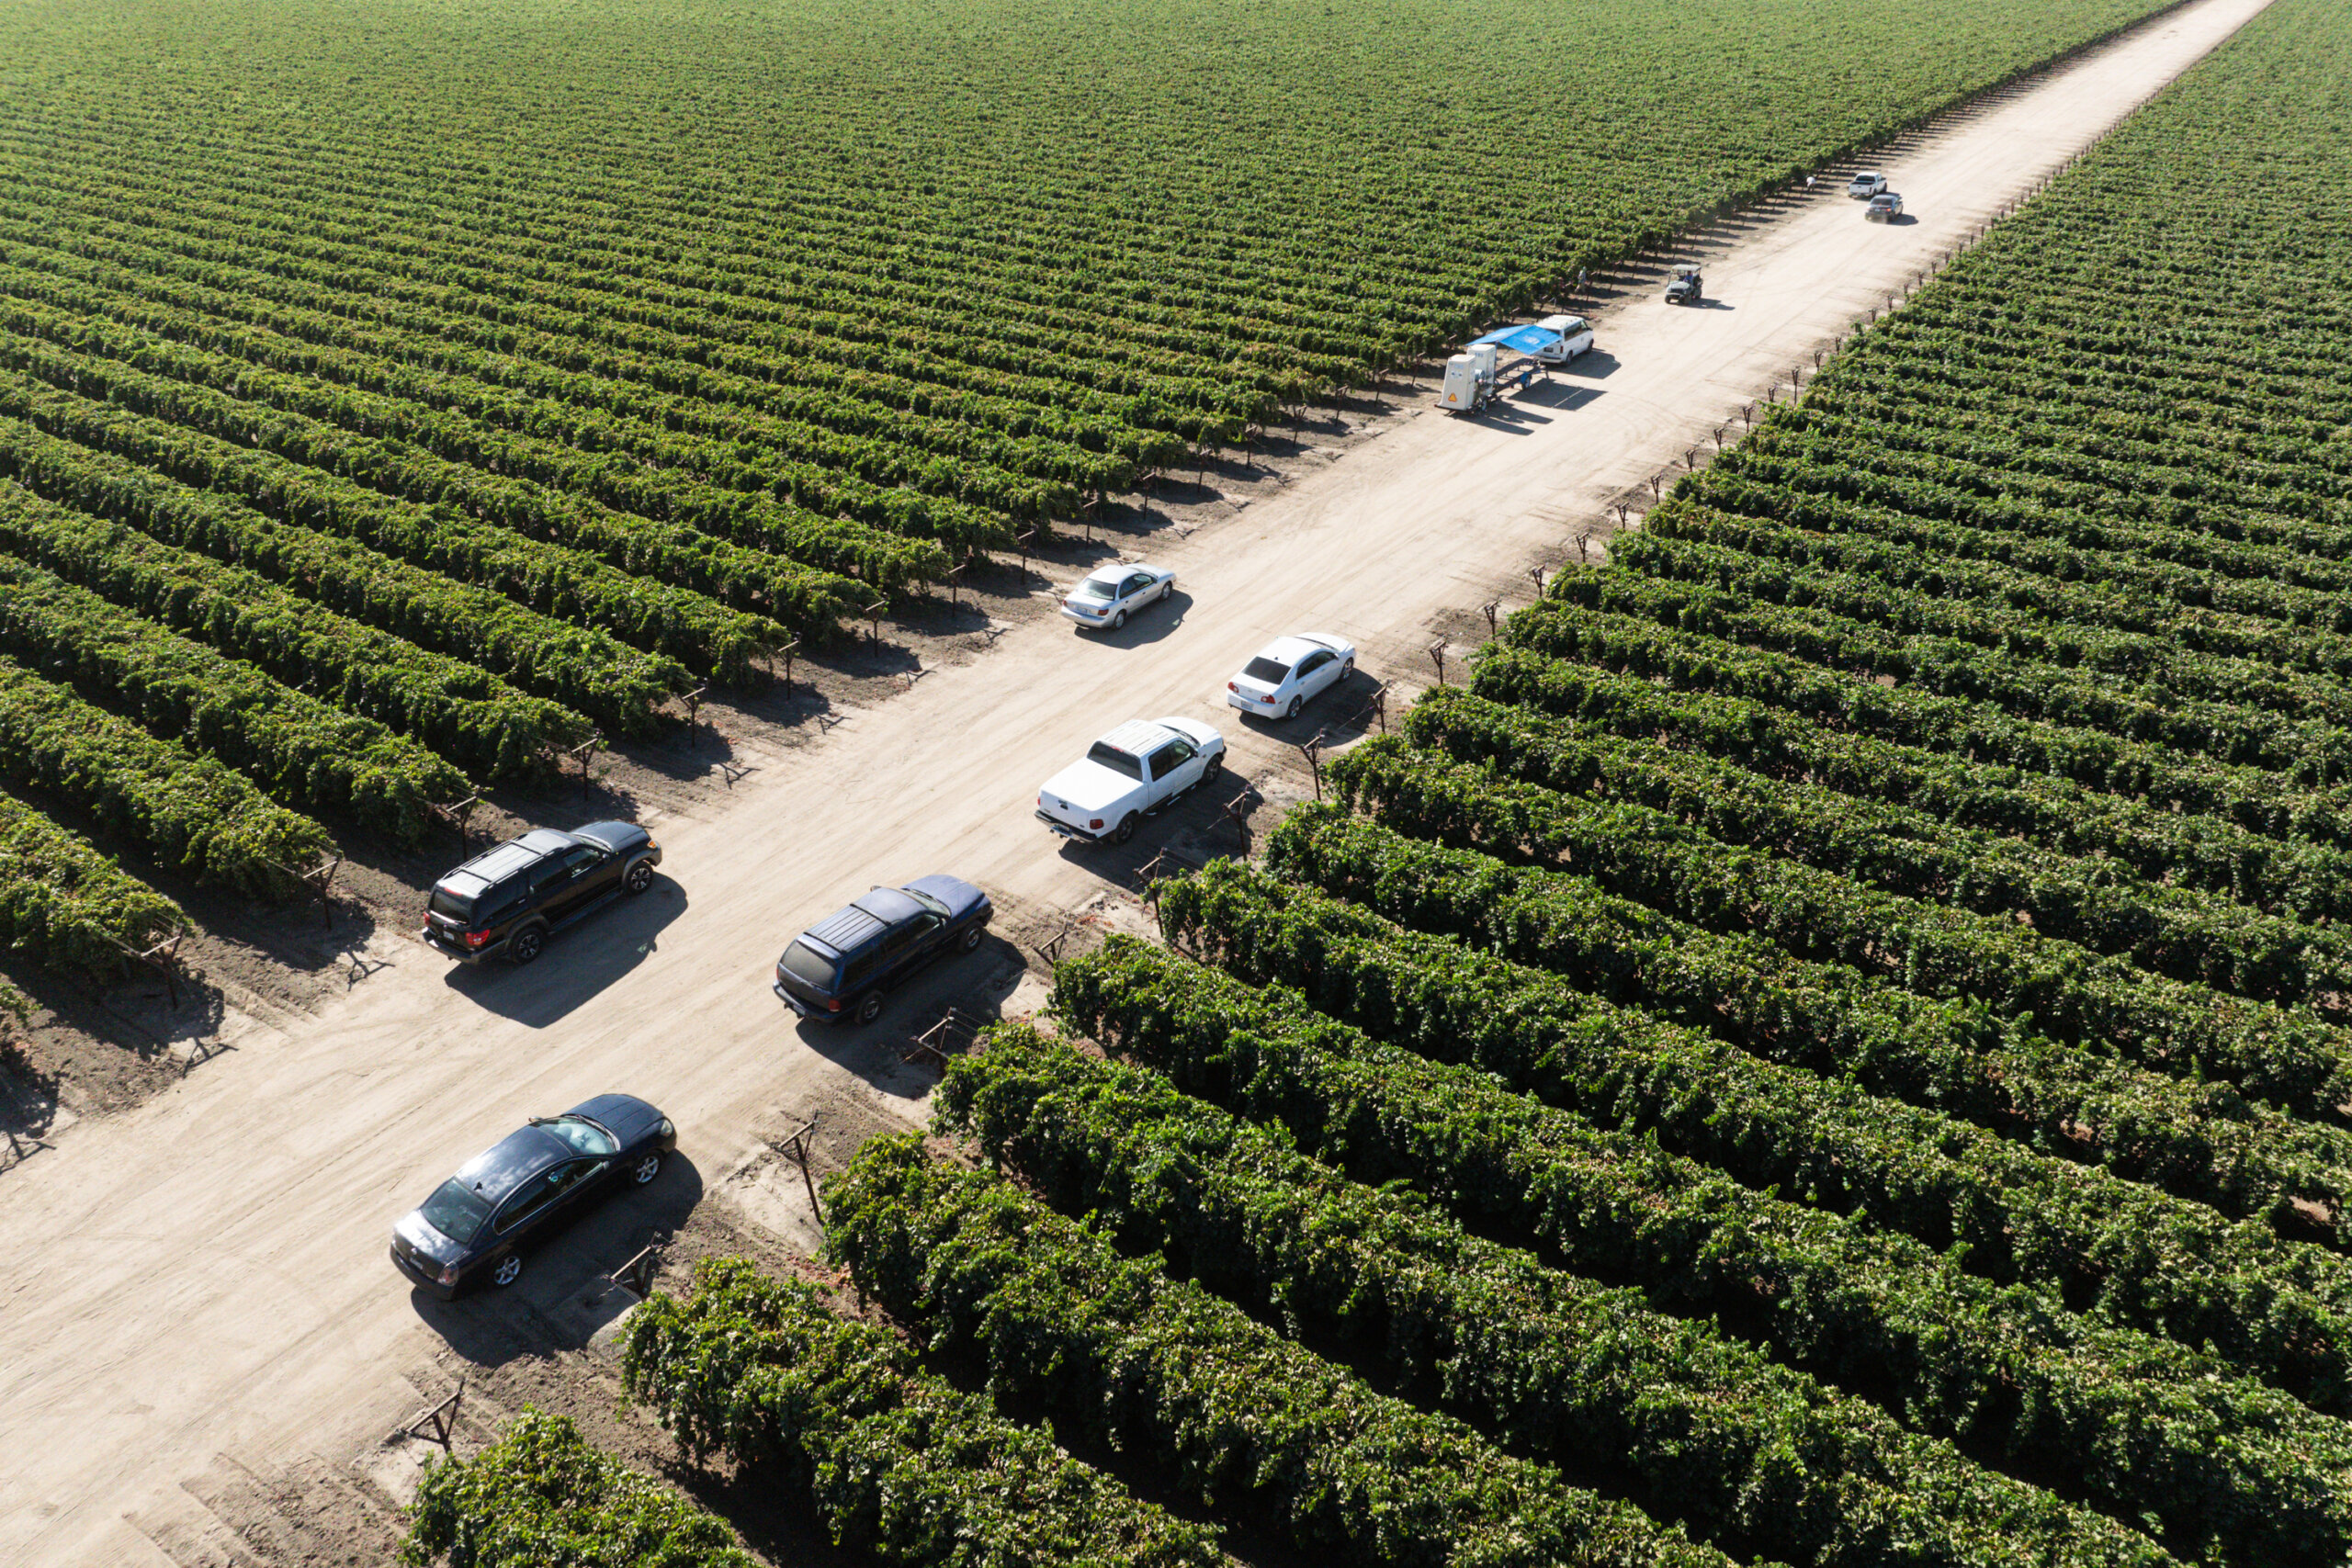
[
  {"x": 457, "y": 906},
  {"x": 809, "y": 967}
]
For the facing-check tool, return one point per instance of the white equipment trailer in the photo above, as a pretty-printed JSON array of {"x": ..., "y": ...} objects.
[{"x": 1470, "y": 380}]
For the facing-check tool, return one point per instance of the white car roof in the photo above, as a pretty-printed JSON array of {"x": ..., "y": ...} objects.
[
  {"x": 1291, "y": 650},
  {"x": 1287, "y": 649},
  {"x": 1562, "y": 324},
  {"x": 1138, "y": 737},
  {"x": 1866, "y": 175},
  {"x": 1117, "y": 570}
]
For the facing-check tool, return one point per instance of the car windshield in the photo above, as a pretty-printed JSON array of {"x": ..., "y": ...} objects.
[
  {"x": 1267, "y": 669},
  {"x": 1094, "y": 588},
  {"x": 583, "y": 1135},
  {"x": 1118, "y": 761},
  {"x": 925, "y": 899},
  {"x": 455, "y": 1210},
  {"x": 456, "y": 906},
  {"x": 809, "y": 967}
]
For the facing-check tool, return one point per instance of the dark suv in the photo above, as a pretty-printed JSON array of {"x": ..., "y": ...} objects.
[
  {"x": 838, "y": 967},
  {"x": 508, "y": 899}
]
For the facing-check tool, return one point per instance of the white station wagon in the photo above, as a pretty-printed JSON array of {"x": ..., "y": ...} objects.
[
  {"x": 1128, "y": 775},
  {"x": 1287, "y": 671}
]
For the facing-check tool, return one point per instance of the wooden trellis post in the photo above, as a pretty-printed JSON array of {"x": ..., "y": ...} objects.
[
  {"x": 873, "y": 614},
  {"x": 636, "y": 1275},
  {"x": 1492, "y": 609},
  {"x": 163, "y": 957},
  {"x": 796, "y": 1145},
  {"x": 1437, "y": 657},
  {"x": 585, "y": 754},
  {"x": 1236, "y": 811},
  {"x": 456, "y": 812},
  {"x": 319, "y": 880},
  {"x": 1313, "y": 751},
  {"x": 694, "y": 707},
  {"x": 789, "y": 646},
  {"x": 437, "y": 1423}
]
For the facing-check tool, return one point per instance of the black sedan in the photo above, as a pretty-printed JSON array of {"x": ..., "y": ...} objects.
[{"x": 476, "y": 1224}]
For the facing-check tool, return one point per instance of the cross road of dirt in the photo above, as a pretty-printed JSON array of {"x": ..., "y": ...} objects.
[{"x": 205, "y": 1275}]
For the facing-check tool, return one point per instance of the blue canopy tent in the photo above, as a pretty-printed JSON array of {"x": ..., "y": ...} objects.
[{"x": 1520, "y": 340}]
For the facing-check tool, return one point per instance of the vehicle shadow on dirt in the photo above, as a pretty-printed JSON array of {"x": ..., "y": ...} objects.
[
  {"x": 1151, "y": 623},
  {"x": 579, "y": 961},
  {"x": 975, "y": 985},
  {"x": 1338, "y": 713},
  {"x": 1557, "y": 396},
  {"x": 564, "y": 1295}
]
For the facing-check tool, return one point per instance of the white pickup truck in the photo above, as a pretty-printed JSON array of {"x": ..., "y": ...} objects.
[{"x": 1127, "y": 775}]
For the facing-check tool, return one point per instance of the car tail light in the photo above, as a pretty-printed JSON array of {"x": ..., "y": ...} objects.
[
  {"x": 1231, "y": 687},
  {"x": 1095, "y": 822},
  {"x": 477, "y": 938},
  {"x": 832, "y": 1004}
]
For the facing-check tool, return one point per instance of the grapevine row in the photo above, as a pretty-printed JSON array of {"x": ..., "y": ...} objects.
[
  {"x": 2203, "y": 1141},
  {"x": 1757, "y": 1459},
  {"x": 473, "y": 718},
  {"x": 189, "y": 812},
  {"x": 1636, "y": 851},
  {"x": 68, "y": 906},
  {"x": 2142, "y": 1426},
  {"x": 2114, "y": 1250},
  {"x": 296, "y": 747},
  {"x": 1159, "y": 1366},
  {"x": 586, "y": 669},
  {"x": 901, "y": 1463},
  {"x": 2300, "y": 881}
]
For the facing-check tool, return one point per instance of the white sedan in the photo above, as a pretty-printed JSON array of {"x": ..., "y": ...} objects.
[
  {"x": 1287, "y": 671},
  {"x": 1112, "y": 593}
]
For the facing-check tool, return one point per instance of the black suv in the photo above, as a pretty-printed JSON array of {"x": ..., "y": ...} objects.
[
  {"x": 508, "y": 899},
  {"x": 838, "y": 967}
]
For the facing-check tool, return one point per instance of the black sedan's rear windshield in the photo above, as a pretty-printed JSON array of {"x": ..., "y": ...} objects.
[
  {"x": 1118, "y": 761},
  {"x": 456, "y": 1211},
  {"x": 457, "y": 906},
  {"x": 809, "y": 967},
  {"x": 1264, "y": 668}
]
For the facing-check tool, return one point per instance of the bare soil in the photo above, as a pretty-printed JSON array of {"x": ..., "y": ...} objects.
[{"x": 202, "y": 1346}]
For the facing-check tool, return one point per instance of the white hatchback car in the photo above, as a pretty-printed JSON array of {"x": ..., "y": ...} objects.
[
  {"x": 1287, "y": 671},
  {"x": 1111, "y": 593}
]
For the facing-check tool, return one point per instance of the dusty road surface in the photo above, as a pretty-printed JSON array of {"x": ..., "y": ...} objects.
[{"x": 205, "y": 1276}]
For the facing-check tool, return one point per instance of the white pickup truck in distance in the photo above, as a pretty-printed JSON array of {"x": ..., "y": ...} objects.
[
  {"x": 1127, "y": 775},
  {"x": 1868, "y": 183}
]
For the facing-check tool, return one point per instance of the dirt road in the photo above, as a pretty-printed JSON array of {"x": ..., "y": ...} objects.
[{"x": 205, "y": 1275}]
